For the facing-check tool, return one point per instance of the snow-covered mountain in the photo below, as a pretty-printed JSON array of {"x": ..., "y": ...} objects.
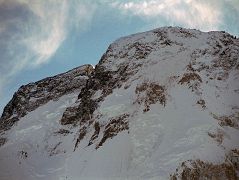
[{"x": 162, "y": 104}]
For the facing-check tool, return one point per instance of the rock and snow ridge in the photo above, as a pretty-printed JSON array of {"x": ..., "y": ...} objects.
[
  {"x": 162, "y": 104},
  {"x": 33, "y": 95}
]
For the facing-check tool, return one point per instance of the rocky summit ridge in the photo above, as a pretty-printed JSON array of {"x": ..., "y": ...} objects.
[
  {"x": 161, "y": 104},
  {"x": 31, "y": 96}
]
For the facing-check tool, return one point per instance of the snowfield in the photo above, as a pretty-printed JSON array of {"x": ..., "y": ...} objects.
[{"x": 177, "y": 101}]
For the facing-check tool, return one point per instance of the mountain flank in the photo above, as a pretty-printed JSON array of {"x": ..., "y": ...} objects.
[{"x": 162, "y": 104}]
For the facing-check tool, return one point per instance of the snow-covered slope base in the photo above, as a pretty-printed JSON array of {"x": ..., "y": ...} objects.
[{"x": 162, "y": 104}]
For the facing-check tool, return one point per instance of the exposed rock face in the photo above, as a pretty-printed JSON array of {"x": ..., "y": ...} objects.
[
  {"x": 31, "y": 96},
  {"x": 198, "y": 169},
  {"x": 102, "y": 80},
  {"x": 156, "y": 101}
]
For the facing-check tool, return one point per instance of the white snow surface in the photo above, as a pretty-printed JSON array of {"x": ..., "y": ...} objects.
[{"x": 158, "y": 140}]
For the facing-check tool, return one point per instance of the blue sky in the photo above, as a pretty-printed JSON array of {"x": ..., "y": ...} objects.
[{"x": 40, "y": 38}]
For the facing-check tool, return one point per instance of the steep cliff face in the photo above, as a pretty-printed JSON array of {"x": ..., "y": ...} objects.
[{"x": 161, "y": 104}]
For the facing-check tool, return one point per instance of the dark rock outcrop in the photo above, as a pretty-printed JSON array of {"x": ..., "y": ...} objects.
[{"x": 31, "y": 96}]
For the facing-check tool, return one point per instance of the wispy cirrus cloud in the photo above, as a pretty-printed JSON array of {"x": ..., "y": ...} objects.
[
  {"x": 51, "y": 29},
  {"x": 190, "y": 13},
  {"x": 201, "y": 14},
  {"x": 32, "y": 31}
]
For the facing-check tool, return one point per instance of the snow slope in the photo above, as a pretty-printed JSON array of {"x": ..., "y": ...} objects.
[{"x": 155, "y": 100}]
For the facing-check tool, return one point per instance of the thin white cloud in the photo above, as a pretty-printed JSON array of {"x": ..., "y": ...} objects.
[
  {"x": 32, "y": 31},
  {"x": 53, "y": 32},
  {"x": 189, "y": 13},
  {"x": 83, "y": 12}
]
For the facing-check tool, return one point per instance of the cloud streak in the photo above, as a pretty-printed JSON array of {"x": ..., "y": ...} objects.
[
  {"x": 51, "y": 19},
  {"x": 32, "y": 31},
  {"x": 200, "y": 14},
  {"x": 192, "y": 14}
]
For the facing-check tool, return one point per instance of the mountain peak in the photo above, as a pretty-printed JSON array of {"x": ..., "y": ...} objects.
[{"x": 159, "y": 104}]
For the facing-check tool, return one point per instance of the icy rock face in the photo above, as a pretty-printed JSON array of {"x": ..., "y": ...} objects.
[
  {"x": 162, "y": 104},
  {"x": 31, "y": 96}
]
